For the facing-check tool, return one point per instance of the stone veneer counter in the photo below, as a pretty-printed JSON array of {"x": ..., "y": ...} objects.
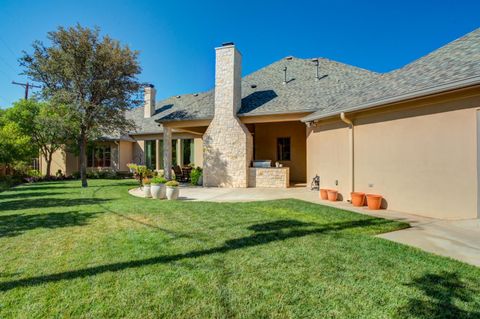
[{"x": 278, "y": 177}]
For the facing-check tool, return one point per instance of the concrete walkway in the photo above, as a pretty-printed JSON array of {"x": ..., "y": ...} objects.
[{"x": 456, "y": 239}]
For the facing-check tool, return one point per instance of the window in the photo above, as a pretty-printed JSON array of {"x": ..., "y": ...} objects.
[
  {"x": 187, "y": 152},
  {"x": 283, "y": 149},
  {"x": 174, "y": 152},
  {"x": 151, "y": 154},
  {"x": 99, "y": 156}
]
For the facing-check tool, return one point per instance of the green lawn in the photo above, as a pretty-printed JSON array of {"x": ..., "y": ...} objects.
[{"x": 101, "y": 253}]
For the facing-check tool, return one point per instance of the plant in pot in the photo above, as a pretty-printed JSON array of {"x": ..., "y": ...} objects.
[
  {"x": 196, "y": 176},
  {"x": 146, "y": 188},
  {"x": 157, "y": 187},
  {"x": 172, "y": 190}
]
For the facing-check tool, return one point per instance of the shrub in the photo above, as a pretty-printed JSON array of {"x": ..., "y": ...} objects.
[
  {"x": 146, "y": 181},
  {"x": 195, "y": 175},
  {"x": 158, "y": 180},
  {"x": 172, "y": 184}
]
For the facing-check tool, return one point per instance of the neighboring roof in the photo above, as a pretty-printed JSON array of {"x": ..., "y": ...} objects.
[
  {"x": 264, "y": 91},
  {"x": 450, "y": 67}
]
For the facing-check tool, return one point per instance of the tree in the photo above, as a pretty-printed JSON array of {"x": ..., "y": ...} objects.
[
  {"x": 96, "y": 77},
  {"x": 46, "y": 123},
  {"x": 14, "y": 145}
]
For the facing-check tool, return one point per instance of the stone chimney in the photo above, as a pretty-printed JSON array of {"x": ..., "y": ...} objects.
[
  {"x": 149, "y": 96},
  {"x": 228, "y": 145}
]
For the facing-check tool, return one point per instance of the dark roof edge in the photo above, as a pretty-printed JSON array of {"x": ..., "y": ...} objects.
[{"x": 408, "y": 96}]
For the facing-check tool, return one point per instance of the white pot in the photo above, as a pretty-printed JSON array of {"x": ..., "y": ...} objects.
[
  {"x": 146, "y": 191},
  {"x": 158, "y": 191},
  {"x": 172, "y": 192}
]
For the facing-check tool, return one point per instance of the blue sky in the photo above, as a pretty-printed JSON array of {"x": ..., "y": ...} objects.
[{"x": 176, "y": 39}]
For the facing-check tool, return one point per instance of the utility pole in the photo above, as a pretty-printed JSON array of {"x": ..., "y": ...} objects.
[{"x": 27, "y": 86}]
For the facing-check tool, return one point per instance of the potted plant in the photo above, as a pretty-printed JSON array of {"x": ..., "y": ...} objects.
[
  {"x": 324, "y": 193},
  {"x": 358, "y": 199},
  {"x": 332, "y": 195},
  {"x": 374, "y": 201},
  {"x": 172, "y": 190},
  {"x": 146, "y": 188},
  {"x": 196, "y": 176},
  {"x": 157, "y": 187}
]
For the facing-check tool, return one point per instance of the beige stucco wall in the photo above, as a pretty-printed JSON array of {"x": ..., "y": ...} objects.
[
  {"x": 198, "y": 152},
  {"x": 58, "y": 163},
  {"x": 328, "y": 156},
  {"x": 421, "y": 156},
  {"x": 125, "y": 155},
  {"x": 266, "y": 135}
]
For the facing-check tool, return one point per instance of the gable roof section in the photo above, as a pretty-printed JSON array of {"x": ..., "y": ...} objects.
[
  {"x": 263, "y": 92},
  {"x": 454, "y": 65}
]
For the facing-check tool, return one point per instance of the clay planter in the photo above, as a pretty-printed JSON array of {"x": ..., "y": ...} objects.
[
  {"x": 146, "y": 191},
  {"x": 332, "y": 195},
  {"x": 324, "y": 193},
  {"x": 358, "y": 199},
  {"x": 158, "y": 191},
  {"x": 374, "y": 202}
]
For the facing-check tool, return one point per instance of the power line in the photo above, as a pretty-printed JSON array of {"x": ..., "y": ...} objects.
[
  {"x": 9, "y": 49},
  {"x": 27, "y": 86}
]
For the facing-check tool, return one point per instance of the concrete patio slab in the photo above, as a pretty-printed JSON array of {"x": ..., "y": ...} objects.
[{"x": 458, "y": 239}]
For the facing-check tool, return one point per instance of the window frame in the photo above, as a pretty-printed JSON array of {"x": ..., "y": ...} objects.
[{"x": 281, "y": 151}]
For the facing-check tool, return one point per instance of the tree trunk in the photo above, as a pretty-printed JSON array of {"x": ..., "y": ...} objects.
[
  {"x": 48, "y": 160},
  {"x": 83, "y": 158}
]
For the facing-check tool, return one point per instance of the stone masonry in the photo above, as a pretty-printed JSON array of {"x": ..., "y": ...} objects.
[
  {"x": 269, "y": 177},
  {"x": 228, "y": 145}
]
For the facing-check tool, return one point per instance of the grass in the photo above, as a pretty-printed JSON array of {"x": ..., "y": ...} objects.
[{"x": 100, "y": 253}]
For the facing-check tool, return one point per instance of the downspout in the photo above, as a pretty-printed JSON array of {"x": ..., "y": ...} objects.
[{"x": 349, "y": 122}]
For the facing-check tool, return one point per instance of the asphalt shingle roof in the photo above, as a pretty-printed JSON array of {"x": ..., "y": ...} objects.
[
  {"x": 341, "y": 87},
  {"x": 264, "y": 92},
  {"x": 453, "y": 62}
]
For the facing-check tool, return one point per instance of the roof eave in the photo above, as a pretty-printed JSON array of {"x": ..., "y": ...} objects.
[{"x": 472, "y": 81}]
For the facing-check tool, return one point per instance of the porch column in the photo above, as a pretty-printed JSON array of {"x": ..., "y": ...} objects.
[
  {"x": 157, "y": 155},
  {"x": 167, "y": 152}
]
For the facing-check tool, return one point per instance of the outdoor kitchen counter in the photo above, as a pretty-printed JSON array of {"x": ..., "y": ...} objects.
[{"x": 278, "y": 177}]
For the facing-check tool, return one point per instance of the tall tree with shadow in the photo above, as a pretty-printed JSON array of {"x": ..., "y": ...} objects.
[{"x": 94, "y": 75}]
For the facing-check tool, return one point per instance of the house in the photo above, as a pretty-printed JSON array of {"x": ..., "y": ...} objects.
[{"x": 411, "y": 135}]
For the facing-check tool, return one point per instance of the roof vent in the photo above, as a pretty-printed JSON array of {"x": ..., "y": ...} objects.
[
  {"x": 253, "y": 86},
  {"x": 285, "y": 75},
  {"x": 226, "y": 44},
  {"x": 317, "y": 63},
  {"x": 289, "y": 57},
  {"x": 195, "y": 94},
  {"x": 178, "y": 96}
]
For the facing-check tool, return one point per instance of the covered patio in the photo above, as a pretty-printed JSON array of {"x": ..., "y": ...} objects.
[{"x": 278, "y": 150}]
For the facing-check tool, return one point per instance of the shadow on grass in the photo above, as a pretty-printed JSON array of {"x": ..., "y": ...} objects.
[
  {"x": 27, "y": 194},
  {"x": 14, "y": 225},
  {"x": 286, "y": 229},
  {"x": 443, "y": 293},
  {"x": 49, "y": 202}
]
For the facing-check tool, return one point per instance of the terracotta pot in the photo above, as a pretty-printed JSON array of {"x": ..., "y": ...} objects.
[
  {"x": 358, "y": 199},
  {"x": 332, "y": 195},
  {"x": 324, "y": 193},
  {"x": 374, "y": 202}
]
